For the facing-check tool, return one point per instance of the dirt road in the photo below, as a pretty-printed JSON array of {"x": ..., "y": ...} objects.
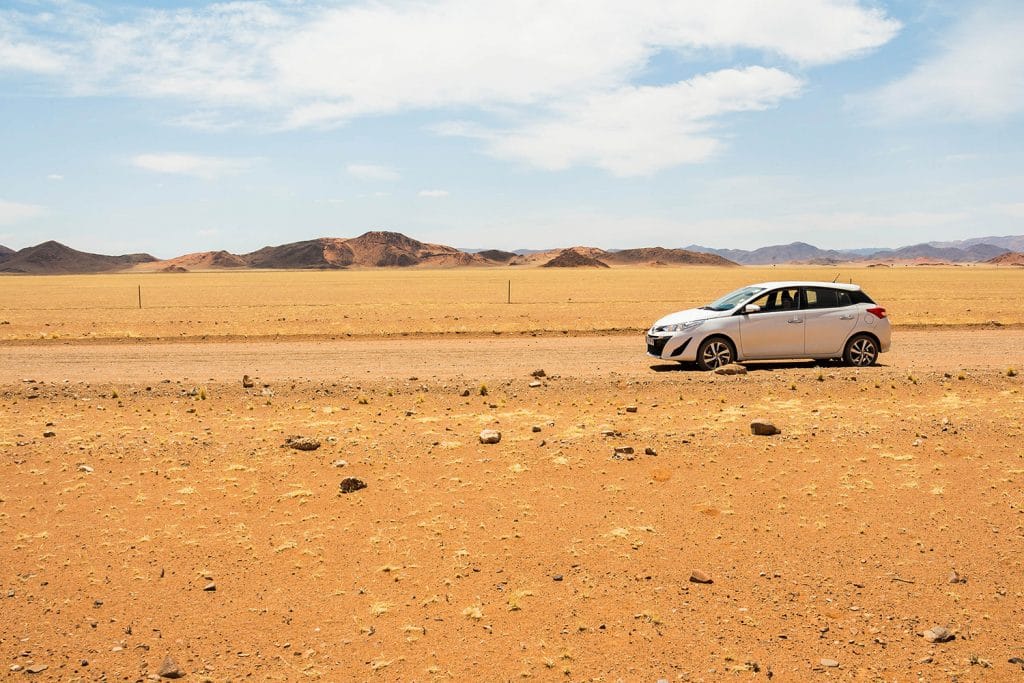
[{"x": 442, "y": 358}]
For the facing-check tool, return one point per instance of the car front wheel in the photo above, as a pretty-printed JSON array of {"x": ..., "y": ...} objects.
[
  {"x": 714, "y": 353},
  {"x": 861, "y": 351}
]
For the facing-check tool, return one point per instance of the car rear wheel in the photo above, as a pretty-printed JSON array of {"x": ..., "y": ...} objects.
[
  {"x": 714, "y": 353},
  {"x": 861, "y": 351}
]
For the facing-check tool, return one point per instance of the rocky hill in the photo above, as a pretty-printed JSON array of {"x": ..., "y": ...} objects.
[
  {"x": 376, "y": 249},
  {"x": 55, "y": 258},
  {"x": 968, "y": 254},
  {"x": 660, "y": 256},
  {"x": 1010, "y": 258},
  {"x": 795, "y": 252},
  {"x": 5, "y": 252},
  {"x": 574, "y": 258}
]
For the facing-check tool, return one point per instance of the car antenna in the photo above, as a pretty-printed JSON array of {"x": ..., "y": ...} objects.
[{"x": 835, "y": 278}]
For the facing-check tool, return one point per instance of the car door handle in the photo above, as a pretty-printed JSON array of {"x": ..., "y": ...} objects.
[
  {"x": 846, "y": 317},
  {"x": 794, "y": 321}
]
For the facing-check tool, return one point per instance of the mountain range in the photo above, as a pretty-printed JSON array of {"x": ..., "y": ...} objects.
[{"x": 378, "y": 249}]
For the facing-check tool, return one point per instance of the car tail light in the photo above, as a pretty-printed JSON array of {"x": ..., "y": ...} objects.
[{"x": 877, "y": 311}]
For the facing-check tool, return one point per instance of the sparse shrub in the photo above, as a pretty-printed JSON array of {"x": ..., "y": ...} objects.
[
  {"x": 483, "y": 389},
  {"x": 202, "y": 394},
  {"x": 362, "y": 400},
  {"x": 1011, "y": 372}
]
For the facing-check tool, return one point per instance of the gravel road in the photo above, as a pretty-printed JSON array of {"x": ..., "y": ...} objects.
[{"x": 440, "y": 358}]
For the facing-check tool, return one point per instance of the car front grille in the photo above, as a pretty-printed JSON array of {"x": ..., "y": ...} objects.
[{"x": 655, "y": 345}]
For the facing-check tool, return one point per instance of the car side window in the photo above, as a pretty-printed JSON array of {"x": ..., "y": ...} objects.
[
  {"x": 824, "y": 298},
  {"x": 778, "y": 300}
]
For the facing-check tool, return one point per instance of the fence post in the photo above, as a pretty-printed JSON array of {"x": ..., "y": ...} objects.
[{"x": 140, "y": 297}]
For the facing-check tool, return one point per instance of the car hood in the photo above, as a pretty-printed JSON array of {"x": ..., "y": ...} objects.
[{"x": 689, "y": 315}]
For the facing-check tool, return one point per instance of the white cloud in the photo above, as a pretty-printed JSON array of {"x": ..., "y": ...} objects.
[
  {"x": 205, "y": 167},
  {"x": 12, "y": 212},
  {"x": 55, "y": 176},
  {"x": 27, "y": 57},
  {"x": 550, "y": 63},
  {"x": 372, "y": 172},
  {"x": 639, "y": 130},
  {"x": 976, "y": 75},
  {"x": 434, "y": 194}
]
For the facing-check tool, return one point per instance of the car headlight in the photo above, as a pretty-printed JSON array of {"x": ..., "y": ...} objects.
[{"x": 681, "y": 327}]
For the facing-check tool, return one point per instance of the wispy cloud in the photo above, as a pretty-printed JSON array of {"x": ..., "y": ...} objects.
[
  {"x": 372, "y": 172},
  {"x": 55, "y": 176},
  {"x": 205, "y": 167},
  {"x": 975, "y": 74},
  {"x": 297, "y": 65},
  {"x": 12, "y": 212},
  {"x": 433, "y": 194}
]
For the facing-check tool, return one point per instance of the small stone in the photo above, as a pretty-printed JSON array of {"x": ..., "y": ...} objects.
[
  {"x": 763, "y": 428},
  {"x": 247, "y": 382},
  {"x": 829, "y": 663},
  {"x": 535, "y": 428},
  {"x": 938, "y": 634},
  {"x": 16, "y": 668},
  {"x": 210, "y": 587},
  {"x": 351, "y": 485},
  {"x": 731, "y": 369},
  {"x": 650, "y": 451},
  {"x": 697, "y": 576},
  {"x": 49, "y": 434},
  {"x": 301, "y": 443},
  {"x": 925, "y": 660},
  {"x": 538, "y": 373},
  {"x": 84, "y": 468},
  {"x": 624, "y": 450},
  {"x": 534, "y": 384},
  {"x": 169, "y": 669},
  {"x": 556, "y": 577},
  {"x": 340, "y": 463},
  {"x": 465, "y": 392},
  {"x": 490, "y": 436},
  {"x": 954, "y": 577},
  {"x": 37, "y": 669},
  {"x": 630, "y": 409}
]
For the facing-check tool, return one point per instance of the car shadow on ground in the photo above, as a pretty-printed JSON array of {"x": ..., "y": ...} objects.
[{"x": 756, "y": 366}]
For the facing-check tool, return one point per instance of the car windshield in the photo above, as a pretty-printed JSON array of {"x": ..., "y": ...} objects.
[{"x": 733, "y": 299}]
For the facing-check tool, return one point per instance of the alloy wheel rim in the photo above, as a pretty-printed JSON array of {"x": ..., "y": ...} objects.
[
  {"x": 717, "y": 354},
  {"x": 862, "y": 352}
]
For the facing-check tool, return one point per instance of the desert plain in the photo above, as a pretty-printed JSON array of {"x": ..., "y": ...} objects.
[{"x": 156, "y": 518}]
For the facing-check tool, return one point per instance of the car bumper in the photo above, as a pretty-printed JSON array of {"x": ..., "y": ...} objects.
[{"x": 678, "y": 347}]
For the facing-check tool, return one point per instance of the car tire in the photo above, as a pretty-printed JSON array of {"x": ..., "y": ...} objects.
[
  {"x": 861, "y": 351},
  {"x": 714, "y": 352}
]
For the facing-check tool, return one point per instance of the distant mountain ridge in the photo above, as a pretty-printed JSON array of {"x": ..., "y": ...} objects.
[{"x": 386, "y": 249}]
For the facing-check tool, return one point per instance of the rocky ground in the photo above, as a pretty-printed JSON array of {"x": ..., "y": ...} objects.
[{"x": 625, "y": 525}]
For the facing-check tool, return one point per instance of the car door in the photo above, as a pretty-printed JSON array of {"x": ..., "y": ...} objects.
[
  {"x": 829, "y": 318},
  {"x": 776, "y": 330}
]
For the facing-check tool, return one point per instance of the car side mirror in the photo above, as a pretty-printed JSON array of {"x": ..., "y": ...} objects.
[{"x": 751, "y": 308}]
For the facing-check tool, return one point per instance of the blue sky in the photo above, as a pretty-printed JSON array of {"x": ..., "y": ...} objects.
[{"x": 172, "y": 127}]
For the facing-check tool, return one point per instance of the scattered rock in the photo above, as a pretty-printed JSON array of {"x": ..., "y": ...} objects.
[
  {"x": 490, "y": 436},
  {"x": 340, "y": 463},
  {"x": 829, "y": 663},
  {"x": 210, "y": 587},
  {"x": 49, "y": 434},
  {"x": 624, "y": 450},
  {"x": 301, "y": 443},
  {"x": 169, "y": 669},
  {"x": 1017, "y": 660},
  {"x": 955, "y": 577},
  {"x": 84, "y": 468},
  {"x": 697, "y": 576},
  {"x": 938, "y": 634},
  {"x": 351, "y": 485},
  {"x": 535, "y": 428},
  {"x": 465, "y": 392},
  {"x": 37, "y": 669},
  {"x": 538, "y": 373},
  {"x": 650, "y": 451},
  {"x": 731, "y": 369},
  {"x": 247, "y": 383},
  {"x": 763, "y": 428},
  {"x": 556, "y": 577},
  {"x": 534, "y": 384},
  {"x": 630, "y": 409},
  {"x": 16, "y": 667}
]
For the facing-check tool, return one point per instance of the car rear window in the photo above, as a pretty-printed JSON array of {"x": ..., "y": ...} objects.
[{"x": 823, "y": 297}]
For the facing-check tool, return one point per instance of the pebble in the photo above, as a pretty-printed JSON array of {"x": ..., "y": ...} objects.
[
  {"x": 169, "y": 668},
  {"x": 534, "y": 384},
  {"x": 490, "y": 436},
  {"x": 650, "y": 451},
  {"x": 535, "y": 428},
  {"x": 624, "y": 450},
  {"x": 538, "y": 373},
  {"x": 84, "y": 468},
  {"x": 351, "y": 485},
  {"x": 37, "y": 669},
  {"x": 556, "y": 577},
  {"x": 301, "y": 443},
  {"x": 630, "y": 409},
  {"x": 938, "y": 634},
  {"x": 829, "y": 663},
  {"x": 954, "y": 577},
  {"x": 340, "y": 463},
  {"x": 731, "y": 369},
  {"x": 16, "y": 667},
  {"x": 247, "y": 382},
  {"x": 49, "y": 434},
  {"x": 697, "y": 576},
  {"x": 210, "y": 587},
  {"x": 763, "y": 428}
]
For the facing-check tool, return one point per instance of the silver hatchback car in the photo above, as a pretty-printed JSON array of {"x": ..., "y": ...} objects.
[{"x": 773, "y": 321}]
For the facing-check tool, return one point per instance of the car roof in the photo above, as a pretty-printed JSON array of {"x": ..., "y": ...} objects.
[{"x": 806, "y": 283}]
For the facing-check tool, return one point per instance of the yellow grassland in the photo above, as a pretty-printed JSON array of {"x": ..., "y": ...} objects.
[{"x": 460, "y": 301}]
